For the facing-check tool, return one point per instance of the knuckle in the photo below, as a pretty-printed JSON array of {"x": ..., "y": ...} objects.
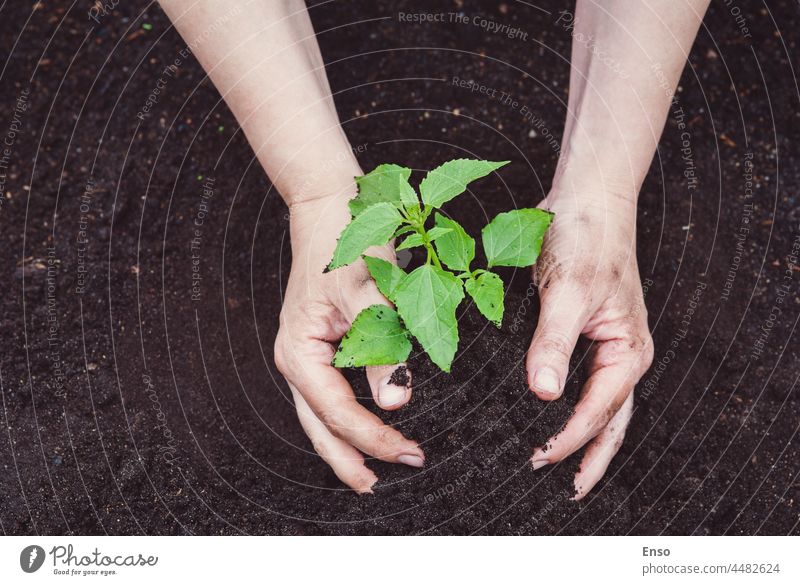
[
  {"x": 617, "y": 402},
  {"x": 335, "y": 418},
  {"x": 546, "y": 269},
  {"x": 384, "y": 441},
  {"x": 322, "y": 448},
  {"x": 581, "y": 279},
  {"x": 555, "y": 342},
  {"x": 331, "y": 418},
  {"x": 358, "y": 276},
  {"x": 639, "y": 345},
  {"x": 361, "y": 480}
]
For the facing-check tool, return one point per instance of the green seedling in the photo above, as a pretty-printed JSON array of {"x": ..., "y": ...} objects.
[{"x": 388, "y": 207}]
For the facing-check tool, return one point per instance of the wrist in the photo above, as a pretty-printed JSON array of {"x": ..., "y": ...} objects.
[
  {"x": 610, "y": 164},
  {"x": 596, "y": 180},
  {"x": 592, "y": 206},
  {"x": 318, "y": 200},
  {"x": 315, "y": 224},
  {"x": 566, "y": 194},
  {"x": 321, "y": 179}
]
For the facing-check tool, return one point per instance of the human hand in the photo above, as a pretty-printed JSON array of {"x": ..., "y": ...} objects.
[
  {"x": 588, "y": 281},
  {"x": 318, "y": 309}
]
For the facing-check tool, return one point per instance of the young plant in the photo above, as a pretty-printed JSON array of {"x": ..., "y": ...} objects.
[{"x": 387, "y": 207}]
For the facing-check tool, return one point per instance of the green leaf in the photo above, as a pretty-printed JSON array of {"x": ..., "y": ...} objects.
[
  {"x": 515, "y": 238},
  {"x": 376, "y": 338},
  {"x": 412, "y": 241},
  {"x": 456, "y": 248},
  {"x": 427, "y": 300},
  {"x": 451, "y": 179},
  {"x": 487, "y": 292},
  {"x": 381, "y": 185},
  {"x": 403, "y": 229},
  {"x": 408, "y": 196},
  {"x": 372, "y": 227},
  {"x": 438, "y": 232},
  {"x": 387, "y": 275}
]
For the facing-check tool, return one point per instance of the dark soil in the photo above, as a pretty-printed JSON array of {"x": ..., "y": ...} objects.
[{"x": 136, "y": 399}]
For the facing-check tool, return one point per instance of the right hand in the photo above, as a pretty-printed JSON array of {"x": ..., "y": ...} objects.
[
  {"x": 317, "y": 311},
  {"x": 589, "y": 285}
]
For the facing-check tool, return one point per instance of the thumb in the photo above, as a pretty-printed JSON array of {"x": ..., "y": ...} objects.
[{"x": 561, "y": 319}]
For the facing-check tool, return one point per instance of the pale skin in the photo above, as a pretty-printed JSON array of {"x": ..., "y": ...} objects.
[{"x": 264, "y": 59}]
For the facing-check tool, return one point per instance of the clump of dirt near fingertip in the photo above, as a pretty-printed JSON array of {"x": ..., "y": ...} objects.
[{"x": 400, "y": 377}]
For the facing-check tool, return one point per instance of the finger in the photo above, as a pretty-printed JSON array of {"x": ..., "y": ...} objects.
[
  {"x": 561, "y": 319},
  {"x": 602, "y": 450},
  {"x": 330, "y": 397},
  {"x": 603, "y": 395},
  {"x": 390, "y": 385},
  {"x": 345, "y": 460}
]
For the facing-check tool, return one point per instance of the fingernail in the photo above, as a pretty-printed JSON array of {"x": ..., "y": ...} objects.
[
  {"x": 412, "y": 460},
  {"x": 538, "y": 460},
  {"x": 390, "y": 395},
  {"x": 545, "y": 380},
  {"x": 538, "y": 463}
]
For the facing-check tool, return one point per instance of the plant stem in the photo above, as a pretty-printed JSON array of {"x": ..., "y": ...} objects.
[
  {"x": 431, "y": 252},
  {"x": 434, "y": 256},
  {"x": 419, "y": 226}
]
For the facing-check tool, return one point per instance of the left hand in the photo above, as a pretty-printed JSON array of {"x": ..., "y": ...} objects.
[{"x": 588, "y": 281}]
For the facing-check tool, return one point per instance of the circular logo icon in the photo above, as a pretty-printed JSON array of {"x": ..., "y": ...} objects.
[{"x": 31, "y": 558}]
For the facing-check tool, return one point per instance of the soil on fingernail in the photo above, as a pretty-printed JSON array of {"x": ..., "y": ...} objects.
[{"x": 400, "y": 377}]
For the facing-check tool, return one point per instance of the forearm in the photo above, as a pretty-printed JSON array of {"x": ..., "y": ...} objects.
[
  {"x": 627, "y": 59},
  {"x": 265, "y": 61}
]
